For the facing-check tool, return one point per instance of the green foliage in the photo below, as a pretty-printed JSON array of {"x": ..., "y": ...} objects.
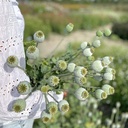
[
  {"x": 90, "y": 21},
  {"x": 121, "y": 61}
]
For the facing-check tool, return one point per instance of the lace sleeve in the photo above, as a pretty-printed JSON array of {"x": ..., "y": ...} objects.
[{"x": 11, "y": 43}]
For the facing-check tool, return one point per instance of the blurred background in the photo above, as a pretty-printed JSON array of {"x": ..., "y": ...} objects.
[{"x": 88, "y": 16}]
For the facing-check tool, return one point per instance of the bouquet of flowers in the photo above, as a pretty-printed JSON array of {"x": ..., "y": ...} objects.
[{"x": 56, "y": 74}]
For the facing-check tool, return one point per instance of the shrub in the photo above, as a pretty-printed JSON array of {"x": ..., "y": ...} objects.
[{"x": 121, "y": 29}]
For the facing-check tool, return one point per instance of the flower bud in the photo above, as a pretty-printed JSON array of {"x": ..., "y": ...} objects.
[
  {"x": 39, "y": 36},
  {"x": 12, "y": 61}
]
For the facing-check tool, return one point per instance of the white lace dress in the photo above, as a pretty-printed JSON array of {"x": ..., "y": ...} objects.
[{"x": 11, "y": 43}]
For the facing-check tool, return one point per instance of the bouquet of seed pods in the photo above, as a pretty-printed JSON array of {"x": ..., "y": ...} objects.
[{"x": 58, "y": 73}]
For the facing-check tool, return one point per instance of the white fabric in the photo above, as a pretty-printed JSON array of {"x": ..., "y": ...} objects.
[
  {"x": 19, "y": 124},
  {"x": 11, "y": 43}
]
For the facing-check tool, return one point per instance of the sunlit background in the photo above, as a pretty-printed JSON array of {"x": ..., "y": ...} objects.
[{"x": 88, "y": 16}]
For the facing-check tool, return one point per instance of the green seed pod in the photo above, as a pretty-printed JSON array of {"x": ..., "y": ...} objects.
[
  {"x": 107, "y": 60},
  {"x": 100, "y": 94},
  {"x": 32, "y": 52},
  {"x": 39, "y": 36},
  {"x": 83, "y": 45},
  {"x": 63, "y": 106},
  {"x": 110, "y": 70},
  {"x": 46, "y": 117},
  {"x": 81, "y": 80},
  {"x": 53, "y": 80},
  {"x": 108, "y": 89},
  {"x": 81, "y": 94},
  {"x": 52, "y": 108},
  {"x": 88, "y": 52},
  {"x": 96, "y": 43},
  {"x": 62, "y": 65},
  {"x": 69, "y": 27},
  {"x": 24, "y": 87},
  {"x": 98, "y": 77},
  {"x": 19, "y": 105},
  {"x": 80, "y": 71},
  {"x": 97, "y": 66},
  {"x": 45, "y": 88},
  {"x": 108, "y": 76},
  {"x": 71, "y": 67},
  {"x": 107, "y": 32},
  {"x": 12, "y": 61},
  {"x": 99, "y": 33}
]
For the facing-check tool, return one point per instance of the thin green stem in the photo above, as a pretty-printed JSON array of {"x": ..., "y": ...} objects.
[
  {"x": 112, "y": 117},
  {"x": 46, "y": 99},
  {"x": 66, "y": 74},
  {"x": 123, "y": 123},
  {"x": 75, "y": 56},
  {"x": 117, "y": 115}
]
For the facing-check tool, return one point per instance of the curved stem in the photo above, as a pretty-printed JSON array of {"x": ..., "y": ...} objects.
[{"x": 21, "y": 69}]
